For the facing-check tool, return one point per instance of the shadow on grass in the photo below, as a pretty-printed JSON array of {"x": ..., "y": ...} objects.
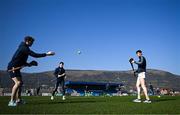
[
  {"x": 64, "y": 102},
  {"x": 79, "y": 101},
  {"x": 163, "y": 100}
]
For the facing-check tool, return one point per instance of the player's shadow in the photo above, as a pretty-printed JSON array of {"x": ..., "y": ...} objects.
[
  {"x": 69, "y": 101},
  {"x": 162, "y": 100},
  {"x": 76, "y": 101}
]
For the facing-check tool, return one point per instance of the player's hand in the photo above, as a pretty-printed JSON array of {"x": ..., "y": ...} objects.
[
  {"x": 132, "y": 61},
  {"x": 50, "y": 53},
  {"x": 13, "y": 70},
  {"x": 59, "y": 76},
  {"x": 33, "y": 63}
]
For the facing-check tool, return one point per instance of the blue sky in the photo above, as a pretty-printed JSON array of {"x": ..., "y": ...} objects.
[{"x": 108, "y": 32}]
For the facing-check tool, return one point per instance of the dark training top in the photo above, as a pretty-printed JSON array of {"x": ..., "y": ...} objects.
[
  {"x": 59, "y": 71},
  {"x": 141, "y": 64},
  {"x": 151, "y": 87},
  {"x": 21, "y": 55}
]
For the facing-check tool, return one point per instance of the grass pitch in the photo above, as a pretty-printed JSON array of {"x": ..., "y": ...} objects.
[{"x": 92, "y": 105}]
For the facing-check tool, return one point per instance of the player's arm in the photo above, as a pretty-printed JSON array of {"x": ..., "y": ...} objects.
[
  {"x": 62, "y": 75},
  {"x": 140, "y": 62},
  {"x": 56, "y": 72},
  {"x": 38, "y": 55}
]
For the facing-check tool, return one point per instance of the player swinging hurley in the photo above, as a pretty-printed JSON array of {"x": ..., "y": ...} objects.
[
  {"x": 141, "y": 77},
  {"x": 18, "y": 61}
]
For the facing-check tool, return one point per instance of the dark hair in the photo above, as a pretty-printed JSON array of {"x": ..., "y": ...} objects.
[
  {"x": 28, "y": 38},
  {"x": 138, "y": 51},
  {"x": 61, "y": 63}
]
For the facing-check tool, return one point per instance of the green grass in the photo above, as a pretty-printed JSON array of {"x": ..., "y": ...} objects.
[{"x": 92, "y": 105}]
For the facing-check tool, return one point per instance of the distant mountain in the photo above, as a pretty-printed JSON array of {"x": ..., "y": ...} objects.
[{"x": 158, "y": 78}]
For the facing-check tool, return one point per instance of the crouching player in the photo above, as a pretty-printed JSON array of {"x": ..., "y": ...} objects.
[
  {"x": 60, "y": 75},
  {"x": 141, "y": 77}
]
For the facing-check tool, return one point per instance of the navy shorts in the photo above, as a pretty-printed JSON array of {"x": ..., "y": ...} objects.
[{"x": 16, "y": 73}]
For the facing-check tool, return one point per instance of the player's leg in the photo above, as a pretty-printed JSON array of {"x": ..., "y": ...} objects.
[
  {"x": 142, "y": 80},
  {"x": 138, "y": 91},
  {"x": 144, "y": 88},
  {"x": 14, "y": 91},
  {"x": 153, "y": 91},
  {"x": 63, "y": 88},
  {"x": 18, "y": 94},
  {"x": 55, "y": 90},
  {"x": 138, "y": 88}
]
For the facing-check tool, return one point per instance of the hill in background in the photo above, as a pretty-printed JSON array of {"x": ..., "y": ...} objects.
[{"x": 158, "y": 78}]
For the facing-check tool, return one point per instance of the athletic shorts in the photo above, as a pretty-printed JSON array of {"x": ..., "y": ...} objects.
[
  {"x": 141, "y": 75},
  {"x": 16, "y": 73}
]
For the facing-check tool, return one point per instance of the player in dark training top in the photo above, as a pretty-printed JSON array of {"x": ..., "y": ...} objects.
[
  {"x": 18, "y": 61},
  {"x": 60, "y": 74}
]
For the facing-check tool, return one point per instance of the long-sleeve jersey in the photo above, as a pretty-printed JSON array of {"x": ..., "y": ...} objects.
[
  {"x": 21, "y": 55},
  {"x": 141, "y": 64},
  {"x": 59, "y": 71}
]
